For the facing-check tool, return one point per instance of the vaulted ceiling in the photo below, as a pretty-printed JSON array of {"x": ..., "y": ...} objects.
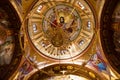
[{"x": 27, "y": 62}]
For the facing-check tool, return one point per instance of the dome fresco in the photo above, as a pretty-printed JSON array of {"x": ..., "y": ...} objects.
[
  {"x": 59, "y": 39},
  {"x": 63, "y": 30}
]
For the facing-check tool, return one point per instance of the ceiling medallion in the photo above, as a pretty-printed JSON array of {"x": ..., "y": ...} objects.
[
  {"x": 61, "y": 29},
  {"x": 61, "y": 25}
]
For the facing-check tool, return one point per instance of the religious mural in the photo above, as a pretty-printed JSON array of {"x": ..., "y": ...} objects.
[
  {"x": 6, "y": 40},
  {"x": 97, "y": 61},
  {"x": 6, "y": 51},
  {"x": 55, "y": 29},
  {"x": 116, "y": 27},
  {"x": 10, "y": 51},
  {"x": 25, "y": 68}
]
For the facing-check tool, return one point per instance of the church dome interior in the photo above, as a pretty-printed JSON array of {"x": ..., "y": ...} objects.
[{"x": 59, "y": 39}]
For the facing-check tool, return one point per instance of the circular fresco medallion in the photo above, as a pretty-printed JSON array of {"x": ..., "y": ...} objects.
[
  {"x": 61, "y": 29},
  {"x": 61, "y": 25}
]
